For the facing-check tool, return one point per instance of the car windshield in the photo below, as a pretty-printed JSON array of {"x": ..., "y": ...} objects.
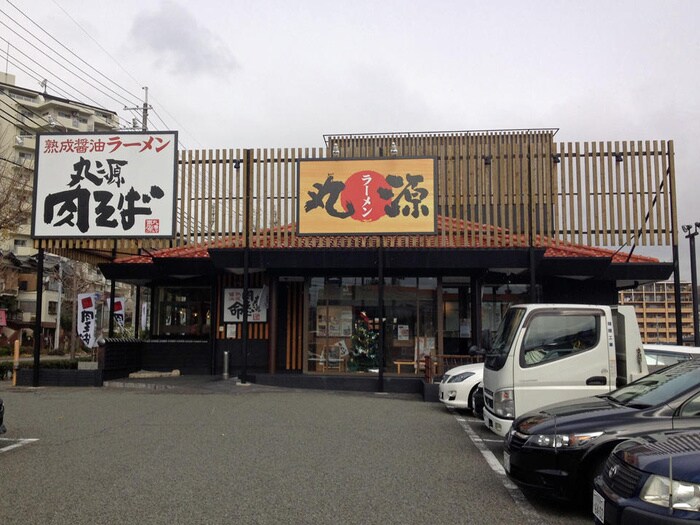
[
  {"x": 503, "y": 341},
  {"x": 659, "y": 387}
]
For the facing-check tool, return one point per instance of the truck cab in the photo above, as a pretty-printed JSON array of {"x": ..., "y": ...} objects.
[{"x": 545, "y": 353}]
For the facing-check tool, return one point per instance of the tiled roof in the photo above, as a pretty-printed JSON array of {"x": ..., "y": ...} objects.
[{"x": 478, "y": 236}]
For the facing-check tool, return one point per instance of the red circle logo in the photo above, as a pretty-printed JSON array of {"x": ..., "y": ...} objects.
[{"x": 362, "y": 191}]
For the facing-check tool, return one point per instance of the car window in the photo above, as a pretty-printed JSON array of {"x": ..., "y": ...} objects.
[
  {"x": 691, "y": 408},
  {"x": 550, "y": 336},
  {"x": 660, "y": 386},
  {"x": 657, "y": 359}
]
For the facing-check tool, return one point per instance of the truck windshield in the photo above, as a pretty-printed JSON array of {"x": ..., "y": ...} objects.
[{"x": 503, "y": 341}]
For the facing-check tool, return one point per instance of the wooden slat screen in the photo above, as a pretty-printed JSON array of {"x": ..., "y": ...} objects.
[
  {"x": 294, "y": 329},
  {"x": 506, "y": 188}
]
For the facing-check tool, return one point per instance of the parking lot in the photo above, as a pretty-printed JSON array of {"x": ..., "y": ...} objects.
[{"x": 251, "y": 454}]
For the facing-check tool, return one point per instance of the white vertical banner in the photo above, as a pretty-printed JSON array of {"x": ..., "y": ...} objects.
[
  {"x": 87, "y": 319},
  {"x": 265, "y": 297},
  {"x": 118, "y": 314},
  {"x": 144, "y": 315}
]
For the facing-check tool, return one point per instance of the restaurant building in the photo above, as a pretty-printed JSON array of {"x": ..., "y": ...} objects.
[{"x": 381, "y": 257}]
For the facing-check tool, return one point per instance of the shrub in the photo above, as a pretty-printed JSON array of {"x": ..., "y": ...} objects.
[{"x": 4, "y": 369}]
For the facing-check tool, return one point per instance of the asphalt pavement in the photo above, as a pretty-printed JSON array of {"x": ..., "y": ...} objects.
[{"x": 196, "y": 450}]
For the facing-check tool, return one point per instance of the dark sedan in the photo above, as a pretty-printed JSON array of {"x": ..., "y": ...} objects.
[
  {"x": 557, "y": 451},
  {"x": 651, "y": 479},
  {"x": 2, "y": 417}
]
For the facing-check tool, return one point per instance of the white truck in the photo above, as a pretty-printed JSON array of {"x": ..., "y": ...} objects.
[{"x": 546, "y": 353}]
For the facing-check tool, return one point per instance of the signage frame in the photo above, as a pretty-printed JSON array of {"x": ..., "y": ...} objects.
[
  {"x": 366, "y": 163},
  {"x": 169, "y": 180}
]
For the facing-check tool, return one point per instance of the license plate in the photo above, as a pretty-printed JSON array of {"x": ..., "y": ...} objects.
[
  {"x": 598, "y": 506},
  {"x": 506, "y": 461}
]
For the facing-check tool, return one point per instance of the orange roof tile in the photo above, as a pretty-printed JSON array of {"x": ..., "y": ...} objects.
[{"x": 474, "y": 234}]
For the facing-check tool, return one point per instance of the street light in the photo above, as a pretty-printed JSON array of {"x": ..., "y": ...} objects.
[{"x": 691, "y": 232}]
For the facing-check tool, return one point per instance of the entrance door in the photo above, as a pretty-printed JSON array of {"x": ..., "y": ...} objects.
[
  {"x": 409, "y": 310},
  {"x": 457, "y": 319}
]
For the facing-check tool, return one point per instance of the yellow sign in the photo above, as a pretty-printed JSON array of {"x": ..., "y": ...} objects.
[{"x": 367, "y": 196}]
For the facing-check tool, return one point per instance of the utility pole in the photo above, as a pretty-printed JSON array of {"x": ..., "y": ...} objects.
[
  {"x": 57, "y": 333},
  {"x": 144, "y": 110},
  {"x": 691, "y": 231}
]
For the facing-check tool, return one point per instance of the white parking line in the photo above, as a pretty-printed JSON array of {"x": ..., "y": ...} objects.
[
  {"x": 530, "y": 514},
  {"x": 14, "y": 443}
]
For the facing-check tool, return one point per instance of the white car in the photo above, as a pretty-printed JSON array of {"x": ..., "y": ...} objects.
[
  {"x": 459, "y": 383},
  {"x": 660, "y": 355}
]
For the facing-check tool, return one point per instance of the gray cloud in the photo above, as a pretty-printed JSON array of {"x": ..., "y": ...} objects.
[{"x": 180, "y": 43}]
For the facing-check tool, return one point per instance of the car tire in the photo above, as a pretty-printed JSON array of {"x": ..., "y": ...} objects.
[
  {"x": 475, "y": 412},
  {"x": 594, "y": 468}
]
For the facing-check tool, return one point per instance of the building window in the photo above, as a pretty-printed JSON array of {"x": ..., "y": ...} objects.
[
  {"x": 17, "y": 96},
  {"x": 183, "y": 312},
  {"x": 27, "y": 306},
  {"x": 19, "y": 243},
  {"x": 53, "y": 307},
  {"x": 23, "y": 286},
  {"x": 345, "y": 324}
]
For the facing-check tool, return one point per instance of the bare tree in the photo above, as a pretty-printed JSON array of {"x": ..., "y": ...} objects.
[
  {"x": 15, "y": 191},
  {"x": 75, "y": 278}
]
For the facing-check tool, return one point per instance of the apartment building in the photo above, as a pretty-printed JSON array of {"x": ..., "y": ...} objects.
[
  {"x": 24, "y": 113},
  {"x": 656, "y": 311}
]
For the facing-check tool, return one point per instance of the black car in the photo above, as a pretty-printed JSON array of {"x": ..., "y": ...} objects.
[
  {"x": 2, "y": 417},
  {"x": 634, "y": 485},
  {"x": 557, "y": 451}
]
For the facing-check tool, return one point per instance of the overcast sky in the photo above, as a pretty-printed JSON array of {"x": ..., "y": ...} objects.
[{"x": 279, "y": 73}]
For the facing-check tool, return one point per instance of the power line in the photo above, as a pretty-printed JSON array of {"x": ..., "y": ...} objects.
[
  {"x": 51, "y": 72},
  {"x": 70, "y": 51},
  {"x": 17, "y": 123},
  {"x": 10, "y": 162},
  {"x": 57, "y": 62},
  {"x": 86, "y": 77},
  {"x": 114, "y": 60},
  {"x": 60, "y": 91},
  {"x": 94, "y": 41},
  {"x": 23, "y": 115},
  {"x": 61, "y": 65}
]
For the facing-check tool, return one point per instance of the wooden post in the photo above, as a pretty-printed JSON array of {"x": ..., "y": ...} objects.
[{"x": 15, "y": 366}]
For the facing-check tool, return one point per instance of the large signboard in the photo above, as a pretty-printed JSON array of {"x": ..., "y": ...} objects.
[
  {"x": 367, "y": 196},
  {"x": 119, "y": 184}
]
